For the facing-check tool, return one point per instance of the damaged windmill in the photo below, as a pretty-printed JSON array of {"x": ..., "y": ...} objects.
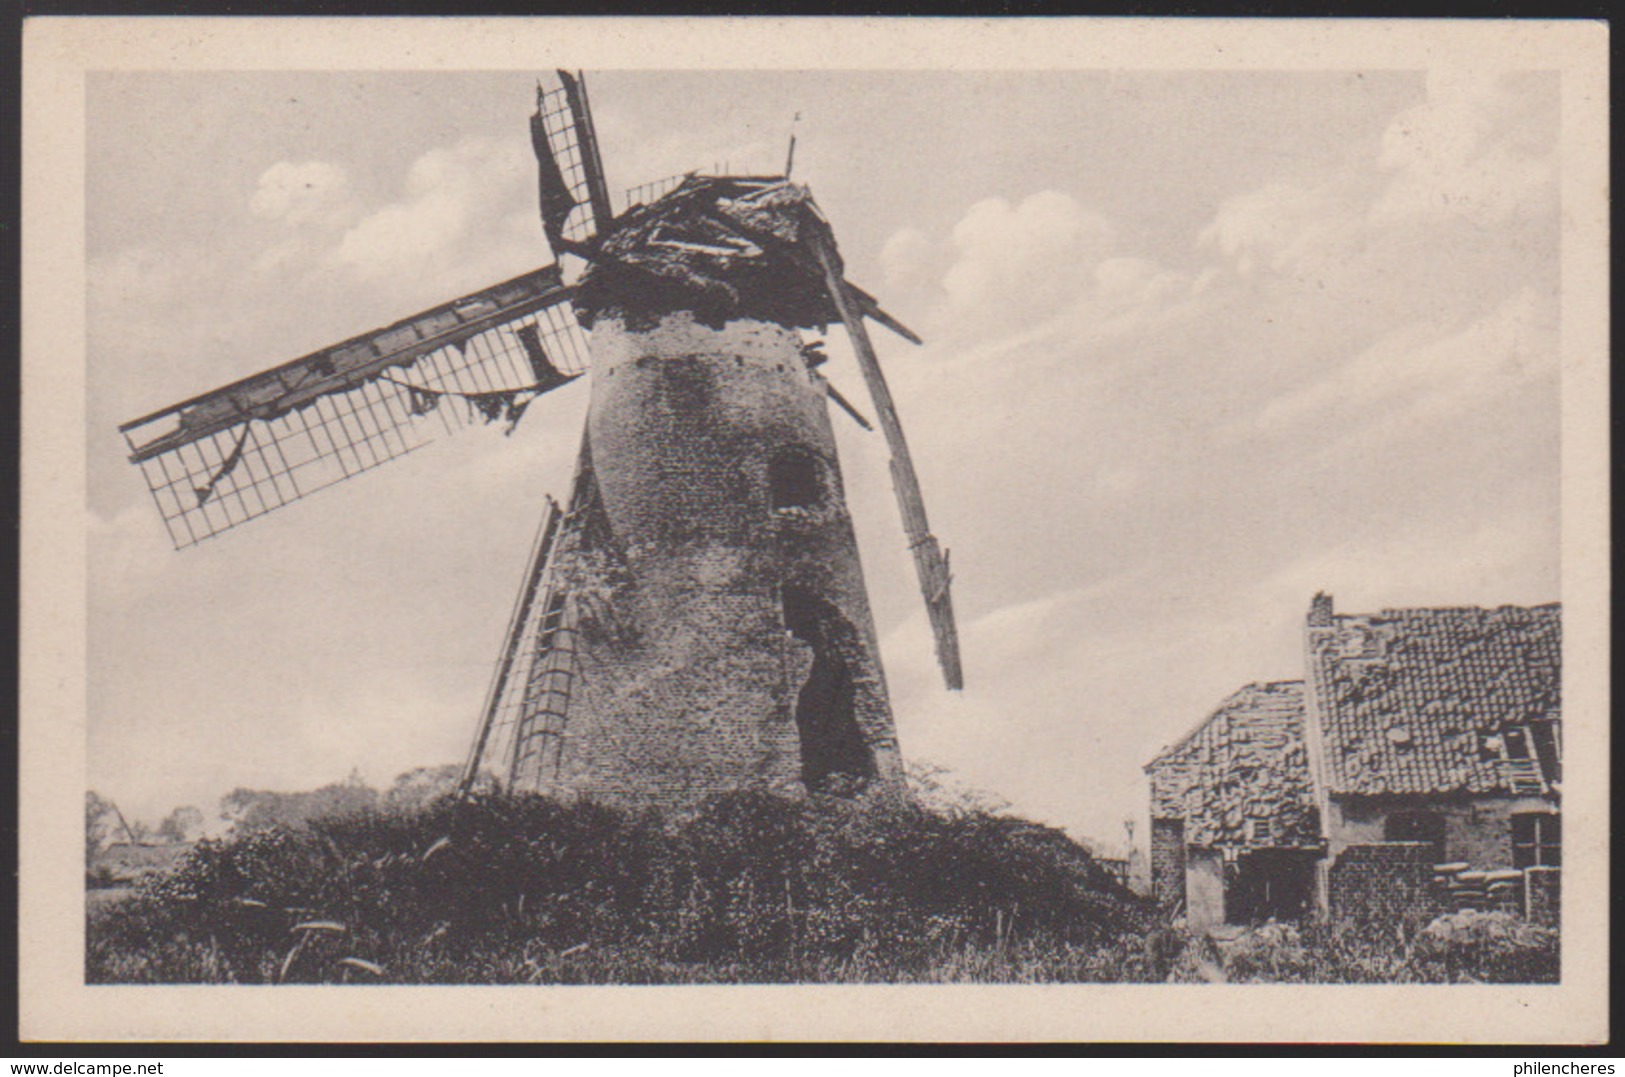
[{"x": 693, "y": 617}]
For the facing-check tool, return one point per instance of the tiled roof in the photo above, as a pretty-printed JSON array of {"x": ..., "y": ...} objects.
[
  {"x": 1406, "y": 701},
  {"x": 1245, "y": 761}
]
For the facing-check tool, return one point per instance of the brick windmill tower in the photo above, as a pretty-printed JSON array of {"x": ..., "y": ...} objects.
[{"x": 693, "y": 617}]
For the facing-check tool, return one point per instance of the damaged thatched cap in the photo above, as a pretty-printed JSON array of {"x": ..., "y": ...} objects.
[{"x": 721, "y": 247}]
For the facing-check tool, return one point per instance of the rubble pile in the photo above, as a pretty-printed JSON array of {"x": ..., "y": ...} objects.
[{"x": 722, "y": 247}]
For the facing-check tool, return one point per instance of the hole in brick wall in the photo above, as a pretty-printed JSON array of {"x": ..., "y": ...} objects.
[
  {"x": 832, "y": 746},
  {"x": 793, "y": 480}
]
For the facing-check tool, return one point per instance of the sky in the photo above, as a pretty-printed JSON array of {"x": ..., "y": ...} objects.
[{"x": 1197, "y": 345}]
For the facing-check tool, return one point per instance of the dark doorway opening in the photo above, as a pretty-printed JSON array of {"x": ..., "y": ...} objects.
[
  {"x": 833, "y": 752},
  {"x": 1269, "y": 884},
  {"x": 793, "y": 481}
]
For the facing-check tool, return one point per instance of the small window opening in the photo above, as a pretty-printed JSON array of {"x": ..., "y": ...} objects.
[
  {"x": 1537, "y": 840},
  {"x": 1425, "y": 826},
  {"x": 1548, "y": 750},
  {"x": 793, "y": 481}
]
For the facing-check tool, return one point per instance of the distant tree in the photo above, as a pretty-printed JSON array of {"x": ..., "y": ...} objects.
[
  {"x": 351, "y": 795},
  {"x": 182, "y": 824},
  {"x": 100, "y": 823},
  {"x": 421, "y": 785},
  {"x": 256, "y": 809}
]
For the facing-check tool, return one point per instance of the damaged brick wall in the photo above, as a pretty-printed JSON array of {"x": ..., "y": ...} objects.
[
  {"x": 1383, "y": 883},
  {"x": 690, "y": 677},
  {"x": 1168, "y": 862},
  {"x": 1477, "y": 830}
]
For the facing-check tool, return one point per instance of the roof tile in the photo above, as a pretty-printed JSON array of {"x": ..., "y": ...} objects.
[{"x": 1404, "y": 697}]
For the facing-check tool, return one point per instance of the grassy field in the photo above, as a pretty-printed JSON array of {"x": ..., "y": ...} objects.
[
  {"x": 123, "y": 864},
  {"x": 750, "y": 889}
]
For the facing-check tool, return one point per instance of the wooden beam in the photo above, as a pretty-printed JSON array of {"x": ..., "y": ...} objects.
[
  {"x": 345, "y": 365},
  {"x": 873, "y": 309},
  {"x": 128, "y": 833},
  {"x": 539, "y": 554},
  {"x": 592, "y": 164},
  {"x": 846, "y": 405},
  {"x": 929, "y": 562}
]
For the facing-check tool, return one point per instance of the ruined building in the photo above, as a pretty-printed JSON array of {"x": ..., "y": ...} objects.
[
  {"x": 694, "y": 618},
  {"x": 1234, "y": 829},
  {"x": 711, "y": 625},
  {"x": 1417, "y": 767}
]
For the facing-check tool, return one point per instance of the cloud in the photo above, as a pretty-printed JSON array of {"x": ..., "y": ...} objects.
[
  {"x": 404, "y": 232},
  {"x": 297, "y": 193},
  {"x": 1012, "y": 261},
  {"x": 1508, "y": 559},
  {"x": 132, "y": 277},
  {"x": 453, "y": 197},
  {"x": 1114, "y": 375},
  {"x": 1280, "y": 227},
  {"x": 1475, "y": 150},
  {"x": 1416, "y": 371},
  {"x": 130, "y": 551},
  {"x": 1031, "y": 284},
  {"x": 906, "y": 257}
]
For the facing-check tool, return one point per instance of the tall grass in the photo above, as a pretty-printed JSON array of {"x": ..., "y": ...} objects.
[
  {"x": 750, "y": 888},
  {"x": 511, "y": 890}
]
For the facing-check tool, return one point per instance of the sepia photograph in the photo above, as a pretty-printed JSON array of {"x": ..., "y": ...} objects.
[{"x": 699, "y": 515}]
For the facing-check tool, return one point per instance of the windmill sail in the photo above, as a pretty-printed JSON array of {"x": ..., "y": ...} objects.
[
  {"x": 218, "y": 460},
  {"x": 930, "y": 562},
  {"x": 570, "y": 174}
]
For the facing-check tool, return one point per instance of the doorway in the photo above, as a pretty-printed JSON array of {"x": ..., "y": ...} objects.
[
  {"x": 1270, "y": 883},
  {"x": 833, "y": 752}
]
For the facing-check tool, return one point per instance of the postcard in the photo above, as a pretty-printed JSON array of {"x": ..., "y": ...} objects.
[{"x": 819, "y": 529}]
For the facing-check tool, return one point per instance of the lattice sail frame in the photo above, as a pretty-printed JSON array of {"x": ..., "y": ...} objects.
[
  {"x": 575, "y": 203},
  {"x": 645, "y": 193},
  {"x": 219, "y": 460},
  {"x": 521, "y": 740}
]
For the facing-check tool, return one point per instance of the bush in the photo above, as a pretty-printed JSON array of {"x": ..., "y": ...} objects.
[
  {"x": 752, "y": 886},
  {"x": 1466, "y": 947},
  {"x": 1488, "y": 947},
  {"x": 1273, "y": 953}
]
